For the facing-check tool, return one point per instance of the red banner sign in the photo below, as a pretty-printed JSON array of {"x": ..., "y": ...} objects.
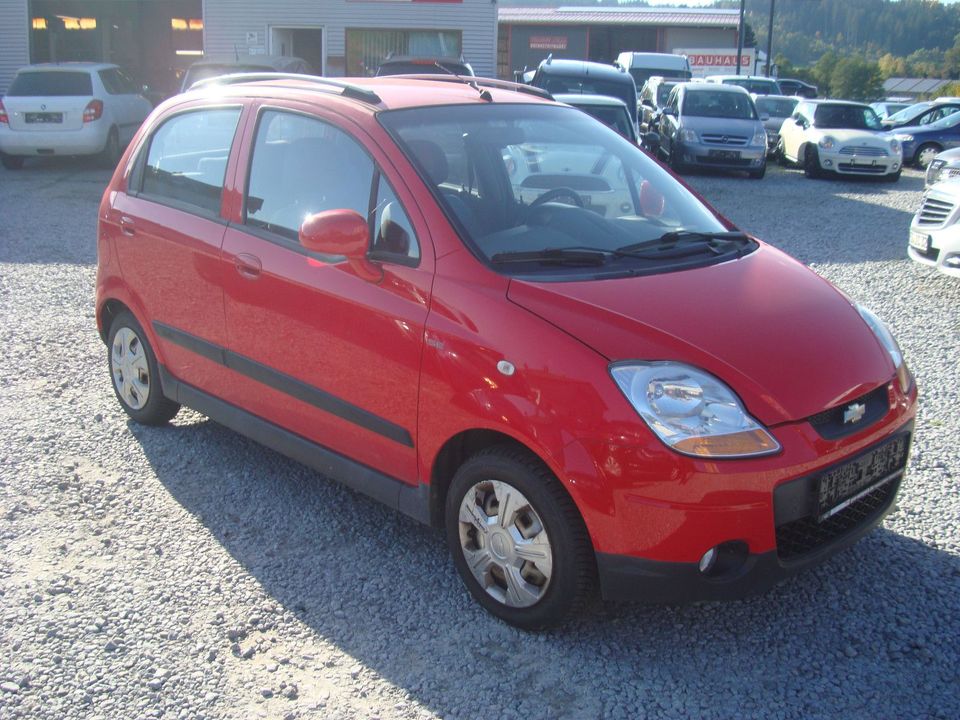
[{"x": 548, "y": 42}]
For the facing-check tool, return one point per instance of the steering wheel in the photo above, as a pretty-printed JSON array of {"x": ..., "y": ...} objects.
[{"x": 554, "y": 194}]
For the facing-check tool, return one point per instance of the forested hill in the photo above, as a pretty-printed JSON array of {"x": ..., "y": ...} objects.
[{"x": 805, "y": 29}]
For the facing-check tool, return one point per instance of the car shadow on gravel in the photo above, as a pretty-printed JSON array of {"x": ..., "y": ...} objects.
[{"x": 871, "y": 631}]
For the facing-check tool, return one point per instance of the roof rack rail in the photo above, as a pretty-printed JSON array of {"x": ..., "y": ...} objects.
[
  {"x": 482, "y": 82},
  {"x": 355, "y": 92}
]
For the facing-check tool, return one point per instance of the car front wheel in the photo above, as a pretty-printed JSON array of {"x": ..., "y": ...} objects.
[
  {"x": 926, "y": 154},
  {"x": 811, "y": 162},
  {"x": 135, "y": 374},
  {"x": 517, "y": 539},
  {"x": 11, "y": 162}
]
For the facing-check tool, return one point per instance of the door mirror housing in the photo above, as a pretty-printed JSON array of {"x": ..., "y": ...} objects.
[
  {"x": 668, "y": 110},
  {"x": 764, "y": 118},
  {"x": 344, "y": 233}
]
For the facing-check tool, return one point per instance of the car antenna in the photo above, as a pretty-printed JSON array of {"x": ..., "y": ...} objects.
[{"x": 484, "y": 94}]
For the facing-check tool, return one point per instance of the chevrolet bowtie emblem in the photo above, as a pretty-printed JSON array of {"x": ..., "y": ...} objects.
[{"x": 854, "y": 413}]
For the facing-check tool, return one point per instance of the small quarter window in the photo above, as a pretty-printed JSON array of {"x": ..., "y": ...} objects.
[
  {"x": 187, "y": 159},
  {"x": 393, "y": 237}
]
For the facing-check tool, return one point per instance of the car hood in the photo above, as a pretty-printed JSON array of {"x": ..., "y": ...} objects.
[
  {"x": 729, "y": 126},
  {"x": 875, "y": 138},
  {"x": 789, "y": 343},
  {"x": 950, "y": 156}
]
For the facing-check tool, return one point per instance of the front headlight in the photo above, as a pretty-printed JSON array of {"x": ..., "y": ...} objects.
[
  {"x": 895, "y": 146},
  {"x": 887, "y": 340},
  {"x": 691, "y": 411},
  {"x": 827, "y": 142},
  {"x": 933, "y": 171},
  {"x": 689, "y": 136},
  {"x": 904, "y": 138},
  {"x": 759, "y": 137}
]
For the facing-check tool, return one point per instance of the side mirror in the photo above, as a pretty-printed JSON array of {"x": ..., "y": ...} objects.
[
  {"x": 344, "y": 233},
  {"x": 764, "y": 118},
  {"x": 668, "y": 110},
  {"x": 650, "y": 142},
  {"x": 648, "y": 102}
]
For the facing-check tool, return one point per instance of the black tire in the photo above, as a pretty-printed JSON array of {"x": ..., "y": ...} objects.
[
  {"x": 676, "y": 164},
  {"x": 918, "y": 158},
  {"x": 110, "y": 155},
  {"x": 781, "y": 156},
  {"x": 811, "y": 162},
  {"x": 759, "y": 173},
  {"x": 572, "y": 579},
  {"x": 147, "y": 406},
  {"x": 11, "y": 162},
  {"x": 893, "y": 177}
]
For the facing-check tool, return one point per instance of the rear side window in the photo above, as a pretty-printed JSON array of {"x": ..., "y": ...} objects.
[
  {"x": 115, "y": 82},
  {"x": 303, "y": 166},
  {"x": 187, "y": 158},
  {"x": 51, "y": 83}
]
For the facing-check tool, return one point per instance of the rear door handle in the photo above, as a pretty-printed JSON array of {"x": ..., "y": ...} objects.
[
  {"x": 248, "y": 266},
  {"x": 127, "y": 226}
]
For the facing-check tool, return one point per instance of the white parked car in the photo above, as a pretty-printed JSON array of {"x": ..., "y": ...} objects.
[
  {"x": 841, "y": 137},
  {"x": 69, "y": 109},
  {"x": 935, "y": 230},
  {"x": 945, "y": 166}
]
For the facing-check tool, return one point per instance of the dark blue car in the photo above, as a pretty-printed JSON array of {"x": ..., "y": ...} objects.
[{"x": 921, "y": 143}]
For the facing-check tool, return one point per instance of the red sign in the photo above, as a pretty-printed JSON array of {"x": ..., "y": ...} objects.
[{"x": 548, "y": 42}]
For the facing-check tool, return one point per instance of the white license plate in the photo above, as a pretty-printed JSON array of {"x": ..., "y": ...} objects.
[{"x": 919, "y": 241}]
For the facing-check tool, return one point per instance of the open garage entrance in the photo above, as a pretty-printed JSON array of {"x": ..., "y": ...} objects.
[
  {"x": 301, "y": 42},
  {"x": 154, "y": 40}
]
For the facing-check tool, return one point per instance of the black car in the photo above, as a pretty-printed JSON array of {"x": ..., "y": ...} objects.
[
  {"x": 420, "y": 65},
  {"x": 790, "y": 86},
  {"x": 587, "y": 78}
]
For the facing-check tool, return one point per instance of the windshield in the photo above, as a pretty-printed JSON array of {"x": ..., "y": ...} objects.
[
  {"x": 846, "y": 117},
  {"x": 663, "y": 91},
  {"x": 909, "y": 112},
  {"x": 776, "y": 107},
  {"x": 612, "y": 116},
  {"x": 534, "y": 178},
  {"x": 580, "y": 85},
  {"x": 717, "y": 103},
  {"x": 51, "y": 83}
]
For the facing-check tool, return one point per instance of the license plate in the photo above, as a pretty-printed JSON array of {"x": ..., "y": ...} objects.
[
  {"x": 919, "y": 241},
  {"x": 840, "y": 486},
  {"x": 42, "y": 117},
  {"x": 725, "y": 154}
]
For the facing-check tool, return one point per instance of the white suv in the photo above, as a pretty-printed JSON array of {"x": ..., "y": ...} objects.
[
  {"x": 839, "y": 136},
  {"x": 935, "y": 230},
  {"x": 69, "y": 109}
]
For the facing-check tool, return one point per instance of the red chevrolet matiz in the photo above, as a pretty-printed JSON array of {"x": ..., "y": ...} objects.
[{"x": 496, "y": 315}]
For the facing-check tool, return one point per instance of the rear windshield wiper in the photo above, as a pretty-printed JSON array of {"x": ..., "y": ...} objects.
[{"x": 680, "y": 243}]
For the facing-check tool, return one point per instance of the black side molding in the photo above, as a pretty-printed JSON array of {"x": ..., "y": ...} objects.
[{"x": 395, "y": 494}]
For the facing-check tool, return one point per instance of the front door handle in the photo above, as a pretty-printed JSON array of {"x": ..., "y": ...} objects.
[
  {"x": 248, "y": 266},
  {"x": 127, "y": 226}
]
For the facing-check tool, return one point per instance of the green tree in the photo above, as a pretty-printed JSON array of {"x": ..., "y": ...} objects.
[
  {"x": 823, "y": 71},
  {"x": 854, "y": 78}
]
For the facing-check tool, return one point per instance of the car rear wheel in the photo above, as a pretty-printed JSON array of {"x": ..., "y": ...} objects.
[
  {"x": 811, "y": 162},
  {"x": 926, "y": 154},
  {"x": 517, "y": 539},
  {"x": 110, "y": 155},
  {"x": 11, "y": 162},
  {"x": 135, "y": 375}
]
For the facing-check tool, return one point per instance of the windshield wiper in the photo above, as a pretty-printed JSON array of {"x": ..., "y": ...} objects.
[{"x": 680, "y": 243}]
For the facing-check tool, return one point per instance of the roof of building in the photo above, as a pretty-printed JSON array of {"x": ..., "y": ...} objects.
[
  {"x": 687, "y": 17},
  {"x": 913, "y": 86}
]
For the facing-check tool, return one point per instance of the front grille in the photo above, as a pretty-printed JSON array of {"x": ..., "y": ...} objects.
[
  {"x": 934, "y": 212},
  {"x": 830, "y": 423},
  {"x": 858, "y": 168},
  {"x": 801, "y": 537},
  {"x": 863, "y": 150},
  {"x": 714, "y": 139}
]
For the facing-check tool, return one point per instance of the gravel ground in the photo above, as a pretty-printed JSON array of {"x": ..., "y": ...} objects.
[{"x": 185, "y": 572}]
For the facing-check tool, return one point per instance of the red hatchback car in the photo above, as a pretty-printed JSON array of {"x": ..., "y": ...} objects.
[{"x": 497, "y": 315}]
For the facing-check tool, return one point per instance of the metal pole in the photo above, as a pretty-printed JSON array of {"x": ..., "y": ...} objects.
[
  {"x": 740, "y": 37},
  {"x": 770, "y": 37}
]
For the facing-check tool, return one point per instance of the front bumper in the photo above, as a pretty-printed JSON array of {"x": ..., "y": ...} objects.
[
  {"x": 743, "y": 157},
  {"x": 845, "y": 164},
  {"x": 89, "y": 140},
  {"x": 942, "y": 247}
]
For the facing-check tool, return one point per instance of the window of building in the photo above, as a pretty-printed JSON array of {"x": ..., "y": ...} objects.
[
  {"x": 187, "y": 158},
  {"x": 366, "y": 49}
]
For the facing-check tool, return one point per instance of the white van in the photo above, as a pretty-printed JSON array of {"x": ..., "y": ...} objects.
[{"x": 643, "y": 65}]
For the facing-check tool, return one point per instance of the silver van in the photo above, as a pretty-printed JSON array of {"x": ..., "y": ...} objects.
[{"x": 643, "y": 65}]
